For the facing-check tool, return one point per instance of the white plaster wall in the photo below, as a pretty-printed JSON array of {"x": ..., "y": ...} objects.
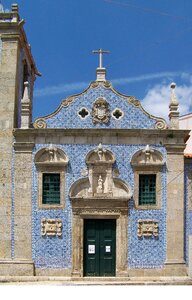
[{"x": 185, "y": 122}]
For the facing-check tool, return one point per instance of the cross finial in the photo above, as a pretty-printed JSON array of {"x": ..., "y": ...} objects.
[{"x": 100, "y": 52}]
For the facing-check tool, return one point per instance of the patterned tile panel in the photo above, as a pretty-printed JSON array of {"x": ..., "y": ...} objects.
[
  {"x": 188, "y": 213},
  {"x": 67, "y": 117},
  {"x": 56, "y": 252}
]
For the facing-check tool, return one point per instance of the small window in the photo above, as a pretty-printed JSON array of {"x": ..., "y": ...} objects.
[
  {"x": 51, "y": 188},
  {"x": 117, "y": 114},
  {"x": 147, "y": 189},
  {"x": 83, "y": 113}
]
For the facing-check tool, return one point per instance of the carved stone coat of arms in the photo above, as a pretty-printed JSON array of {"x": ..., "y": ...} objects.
[{"x": 100, "y": 111}]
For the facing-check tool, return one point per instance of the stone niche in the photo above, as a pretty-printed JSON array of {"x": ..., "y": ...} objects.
[{"x": 100, "y": 182}]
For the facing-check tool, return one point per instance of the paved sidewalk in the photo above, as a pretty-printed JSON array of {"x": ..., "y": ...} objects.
[{"x": 93, "y": 281}]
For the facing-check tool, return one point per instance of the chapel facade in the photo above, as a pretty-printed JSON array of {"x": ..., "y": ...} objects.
[{"x": 97, "y": 188}]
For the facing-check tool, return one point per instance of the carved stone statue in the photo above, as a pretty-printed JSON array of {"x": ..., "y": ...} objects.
[{"x": 100, "y": 185}]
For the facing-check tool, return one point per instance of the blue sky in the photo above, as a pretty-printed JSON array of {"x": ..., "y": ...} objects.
[{"x": 150, "y": 44}]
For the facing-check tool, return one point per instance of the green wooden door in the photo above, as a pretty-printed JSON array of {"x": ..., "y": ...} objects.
[{"x": 99, "y": 247}]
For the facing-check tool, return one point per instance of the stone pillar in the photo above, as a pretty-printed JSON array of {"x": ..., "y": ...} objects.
[
  {"x": 175, "y": 209},
  {"x": 23, "y": 205},
  {"x": 8, "y": 91},
  {"x": 25, "y": 107},
  {"x": 122, "y": 245},
  {"x": 76, "y": 245},
  {"x": 173, "y": 109}
]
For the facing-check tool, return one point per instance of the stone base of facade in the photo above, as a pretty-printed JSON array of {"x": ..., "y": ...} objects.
[
  {"x": 53, "y": 272},
  {"x": 26, "y": 268},
  {"x": 17, "y": 268},
  {"x": 168, "y": 270}
]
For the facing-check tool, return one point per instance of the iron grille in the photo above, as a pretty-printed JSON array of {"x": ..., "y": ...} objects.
[
  {"x": 147, "y": 189},
  {"x": 51, "y": 188}
]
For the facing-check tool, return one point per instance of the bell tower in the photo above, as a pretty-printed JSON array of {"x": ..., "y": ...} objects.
[{"x": 17, "y": 76}]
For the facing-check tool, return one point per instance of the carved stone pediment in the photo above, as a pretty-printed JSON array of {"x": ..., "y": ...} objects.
[
  {"x": 100, "y": 111},
  {"x": 100, "y": 156},
  {"x": 146, "y": 157},
  {"x": 81, "y": 189},
  {"x": 51, "y": 156},
  {"x": 100, "y": 183}
]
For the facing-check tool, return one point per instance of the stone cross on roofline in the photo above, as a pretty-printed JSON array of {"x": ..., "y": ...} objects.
[{"x": 101, "y": 72}]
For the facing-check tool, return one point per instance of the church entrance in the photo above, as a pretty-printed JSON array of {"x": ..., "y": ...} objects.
[{"x": 99, "y": 247}]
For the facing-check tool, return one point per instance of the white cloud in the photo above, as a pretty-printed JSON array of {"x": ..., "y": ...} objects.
[
  {"x": 60, "y": 88},
  {"x": 157, "y": 100},
  {"x": 78, "y": 86},
  {"x": 145, "y": 77}
]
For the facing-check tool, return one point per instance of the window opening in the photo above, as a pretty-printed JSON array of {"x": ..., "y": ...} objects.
[
  {"x": 51, "y": 188},
  {"x": 147, "y": 189},
  {"x": 117, "y": 114},
  {"x": 83, "y": 113}
]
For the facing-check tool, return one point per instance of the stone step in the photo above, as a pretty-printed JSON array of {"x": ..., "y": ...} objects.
[{"x": 96, "y": 280}]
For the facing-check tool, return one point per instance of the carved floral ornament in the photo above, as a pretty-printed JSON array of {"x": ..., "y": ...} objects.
[
  {"x": 148, "y": 228},
  {"x": 51, "y": 227}
]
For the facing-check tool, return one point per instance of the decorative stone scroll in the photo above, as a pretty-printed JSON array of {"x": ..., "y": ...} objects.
[
  {"x": 51, "y": 227},
  {"x": 100, "y": 111},
  {"x": 148, "y": 228},
  {"x": 40, "y": 124},
  {"x": 160, "y": 124}
]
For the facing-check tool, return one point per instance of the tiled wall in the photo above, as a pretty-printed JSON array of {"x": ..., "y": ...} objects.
[
  {"x": 68, "y": 117},
  {"x": 56, "y": 252},
  {"x": 188, "y": 213}
]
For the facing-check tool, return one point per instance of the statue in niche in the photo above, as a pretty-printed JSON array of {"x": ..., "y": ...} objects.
[
  {"x": 148, "y": 151},
  {"x": 100, "y": 185},
  {"x": 100, "y": 151},
  {"x": 52, "y": 153}
]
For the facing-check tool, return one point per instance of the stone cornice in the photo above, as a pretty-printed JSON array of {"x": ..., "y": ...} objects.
[
  {"x": 111, "y": 132},
  {"x": 24, "y": 147},
  {"x": 175, "y": 149},
  {"x": 15, "y": 31}
]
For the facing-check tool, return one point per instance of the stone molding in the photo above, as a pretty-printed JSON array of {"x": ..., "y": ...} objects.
[
  {"x": 151, "y": 171},
  {"x": 165, "y": 137},
  {"x": 24, "y": 147},
  {"x": 51, "y": 160},
  {"x": 81, "y": 213},
  {"x": 147, "y": 161}
]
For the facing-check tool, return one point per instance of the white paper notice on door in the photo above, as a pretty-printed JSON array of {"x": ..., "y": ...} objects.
[
  {"x": 91, "y": 249},
  {"x": 107, "y": 249}
]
